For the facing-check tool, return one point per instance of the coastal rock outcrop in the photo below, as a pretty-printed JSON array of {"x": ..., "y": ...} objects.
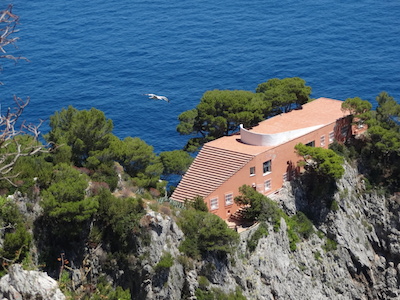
[
  {"x": 354, "y": 253},
  {"x": 20, "y": 284}
]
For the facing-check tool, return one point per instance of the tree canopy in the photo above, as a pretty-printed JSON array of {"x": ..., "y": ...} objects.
[
  {"x": 85, "y": 131},
  {"x": 220, "y": 112},
  {"x": 360, "y": 109},
  {"x": 320, "y": 161},
  {"x": 285, "y": 94}
]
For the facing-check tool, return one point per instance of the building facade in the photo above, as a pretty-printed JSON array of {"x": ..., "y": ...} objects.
[{"x": 262, "y": 157}]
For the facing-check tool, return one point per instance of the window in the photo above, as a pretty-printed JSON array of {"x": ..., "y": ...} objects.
[
  {"x": 311, "y": 144},
  {"x": 252, "y": 171},
  {"x": 331, "y": 137},
  {"x": 228, "y": 199},
  {"x": 322, "y": 140},
  {"x": 214, "y": 203},
  {"x": 267, "y": 185},
  {"x": 267, "y": 167}
]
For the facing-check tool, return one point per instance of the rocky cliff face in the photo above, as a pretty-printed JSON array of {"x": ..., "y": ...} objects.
[
  {"x": 354, "y": 254},
  {"x": 19, "y": 284},
  {"x": 364, "y": 265}
]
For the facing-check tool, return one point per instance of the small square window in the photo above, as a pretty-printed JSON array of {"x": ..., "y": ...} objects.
[
  {"x": 228, "y": 199},
  {"x": 322, "y": 140},
  {"x": 267, "y": 167},
  {"x": 214, "y": 203},
  {"x": 331, "y": 137},
  {"x": 267, "y": 185},
  {"x": 252, "y": 171}
]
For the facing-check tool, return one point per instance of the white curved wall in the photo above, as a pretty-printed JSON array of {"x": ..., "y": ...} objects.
[{"x": 261, "y": 139}]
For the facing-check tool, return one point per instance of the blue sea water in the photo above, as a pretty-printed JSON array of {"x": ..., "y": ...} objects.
[{"x": 107, "y": 54}]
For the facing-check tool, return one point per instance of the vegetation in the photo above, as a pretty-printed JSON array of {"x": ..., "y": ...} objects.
[
  {"x": 220, "y": 113},
  {"x": 285, "y": 94},
  {"x": 166, "y": 262},
  {"x": 266, "y": 211},
  {"x": 14, "y": 233},
  {"x": 321, "y": 162},
  {"x": 205, "y": 233},
  {"x": 378, "y": 151},
  {"x": 217, "y": 294},
  {"x": 75, "y": 179},
  {"x": 262, "y": 231}
]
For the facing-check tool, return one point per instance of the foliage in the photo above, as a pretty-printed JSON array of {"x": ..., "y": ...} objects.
[
  {"x": 84, "y": 131},
  {"x": 138, "y": 160},
  {"x": 217, "y": 294},
  {"x": 14, "y": 232},
  {"x": 102, "y": 290},
  {"x": 65, "y": 199},
  {"x": 330, "y": 245},
  {"x": 197, "y": 203},
  {"x": 220, "y": 113},
  {"x": 262, "y": 231},
  {"x": 378, "y": 151},
  {"x": 28, "y": 171},
  {"x": 264, "y": 209},
  {"x": 119, "y": 219},
  {"x": 175, "y": 162},
  {"x": 260, "y": 208},
  {"x": 205, "y": 232},
  {"x": 302, "y": 225},
  {"x": 387, "y": 111},
  {"x": 320, "y": 161},
  {"x": 285, "y": 94},
  {"x": 360, "y": 109},
  {"x": 166, "y": 262}
]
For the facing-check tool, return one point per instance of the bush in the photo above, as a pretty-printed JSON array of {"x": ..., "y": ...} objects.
[
  {"x": 330, "y": 245},
  {"x": 205, "y": 232},
  {"x": 166, "y": 262},
  {"x": 15, "y": 235},
  {"x": 262, "y": 231}
]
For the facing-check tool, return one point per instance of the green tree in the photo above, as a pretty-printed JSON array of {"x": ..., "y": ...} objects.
[
  {"x": 285, "y": 94},
  {"x": 321, "y": 162},
  {"x": 220, "y": 113},
  {"x": 197, "y": 203},
  {"x": 118, "y": 219},
  {"x": 14, "y": 234},
  {"x": 360, "y": 109},
  {"x": 261, "y": 208},
  {"x": 139, "y": 160},
  {"x": 175, "y": 162},
  {"x": 65, "y": 200},
  {"x": 85, "y": 131},
  {"x": 205, "y": 232},
  {"x": 387, "y": 111}
]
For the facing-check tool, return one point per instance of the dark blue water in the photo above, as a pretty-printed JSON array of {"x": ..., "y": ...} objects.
[{"x": 107, "y": 54}]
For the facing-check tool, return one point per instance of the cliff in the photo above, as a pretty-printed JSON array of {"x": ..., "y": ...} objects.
[
  {"x": 353, "y": 254},
  {"x": 361, "y": 263}
]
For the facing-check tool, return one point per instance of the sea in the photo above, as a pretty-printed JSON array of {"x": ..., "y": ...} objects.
[{"x": 107, "y": 54}]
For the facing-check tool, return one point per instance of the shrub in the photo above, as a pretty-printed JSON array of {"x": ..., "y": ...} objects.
[
  {"x": 262, "y": 231},
  {"x": 330, "y": 245},
  {"x": 166, "y": 262},
  {"x": 205, "y": 232}
]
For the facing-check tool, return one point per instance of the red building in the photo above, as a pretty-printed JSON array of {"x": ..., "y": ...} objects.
[{"x": 262, "y": 157}]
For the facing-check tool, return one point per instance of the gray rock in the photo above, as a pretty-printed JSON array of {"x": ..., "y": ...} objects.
[{"x": 19, "y": 284}]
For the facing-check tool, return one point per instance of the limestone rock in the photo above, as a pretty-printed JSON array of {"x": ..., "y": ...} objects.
[{"x": 19, "y": 284}]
